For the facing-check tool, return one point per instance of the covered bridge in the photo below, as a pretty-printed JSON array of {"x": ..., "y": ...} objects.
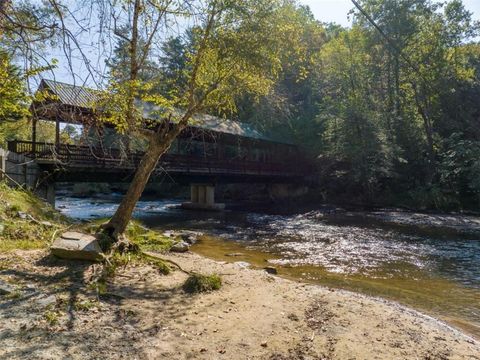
[{"x": 209, "y": 150}]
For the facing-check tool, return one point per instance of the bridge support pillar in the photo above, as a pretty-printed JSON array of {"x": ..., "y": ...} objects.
[
  {"x": 194, "y": 193},
  {"x": 46, "y": 191},
  {"x": 202, "y": 197}
]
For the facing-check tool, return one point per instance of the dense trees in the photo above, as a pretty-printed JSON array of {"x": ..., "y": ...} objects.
[
  {"x": 27, "y": 29},
  {"x": 392, "y": 106}
]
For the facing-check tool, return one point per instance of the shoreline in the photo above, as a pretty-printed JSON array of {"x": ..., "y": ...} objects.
[
  {"x": 254, "y": 315},
  {"x": 417, "y": 298}
]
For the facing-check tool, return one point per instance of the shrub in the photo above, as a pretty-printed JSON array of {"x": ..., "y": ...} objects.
[{"x": 198, "y": 283}]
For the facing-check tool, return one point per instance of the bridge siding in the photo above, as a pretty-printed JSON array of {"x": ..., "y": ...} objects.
[{"x": 84, "y": 161}]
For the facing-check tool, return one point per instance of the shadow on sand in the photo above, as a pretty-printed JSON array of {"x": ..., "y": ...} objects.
[{"x": 67, "y": 282}]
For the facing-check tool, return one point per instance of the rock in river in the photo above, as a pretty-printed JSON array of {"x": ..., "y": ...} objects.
[
  {"x": 181, "y": 246},
  {"x": 242, "y": 264},
  {"x": 270, "y": 270},
  {"x": 190, "y": 237}
]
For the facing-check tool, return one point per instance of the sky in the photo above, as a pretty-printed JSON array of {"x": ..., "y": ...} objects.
[
  {"x": 337, "y": 10},
  {"x": 323, "y": 10}
]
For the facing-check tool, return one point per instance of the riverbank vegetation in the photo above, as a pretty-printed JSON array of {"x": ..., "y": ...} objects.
[{"x": 26, "y": 222}]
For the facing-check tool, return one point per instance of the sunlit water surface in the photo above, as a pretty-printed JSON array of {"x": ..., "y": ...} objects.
[{"x": 431, "y": 267}]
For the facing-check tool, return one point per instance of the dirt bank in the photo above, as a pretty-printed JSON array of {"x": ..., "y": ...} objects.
[{"x": 54, "y": 314}]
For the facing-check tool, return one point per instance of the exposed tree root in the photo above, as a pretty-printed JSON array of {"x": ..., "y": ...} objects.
[
  {"x": 121, "y": 245},
  {"x": 166, "y": 260}
]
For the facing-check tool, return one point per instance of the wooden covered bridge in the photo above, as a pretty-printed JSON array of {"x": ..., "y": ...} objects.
[{"x": 209, "y": 151}]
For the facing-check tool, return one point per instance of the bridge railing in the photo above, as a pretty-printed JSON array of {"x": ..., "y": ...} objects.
[
  {"x": 94, "y": 157},
  {"x": 72, "y": 154}
]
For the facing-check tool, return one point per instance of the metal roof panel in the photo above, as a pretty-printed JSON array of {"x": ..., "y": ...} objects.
[{"x": 84, "y": 97}]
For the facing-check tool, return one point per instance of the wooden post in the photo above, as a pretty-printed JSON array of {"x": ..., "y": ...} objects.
[
  {"x": 220, "y": 150},
  {"x": 34, "y": 135},
  {"x": 209, "y": 195},
  {"x": 202, "y": 194},
  {"x": 57, "y": 132},
  {"x": 3, "y": 164}
]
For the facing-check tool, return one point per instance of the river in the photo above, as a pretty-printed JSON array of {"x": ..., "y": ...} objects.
[{"x": 429, "y": 262}]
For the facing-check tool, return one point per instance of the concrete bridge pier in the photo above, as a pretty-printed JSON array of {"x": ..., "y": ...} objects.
[
  {"x": 202, "y": 197},
  {"x": 46, "y": 191},
  {"x": 20, "y": 170}
]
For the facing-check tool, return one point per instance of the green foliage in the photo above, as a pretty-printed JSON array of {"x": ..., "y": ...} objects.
[
  {"x": 26, "y": 201},
  {"x": 235, "y": 51},
  {"x": 198, "y": 283},
  {"x": 353, "y": 130},
  {"x": 22, "y": 130},
  {"x": 394, "y": 118},
  {"x": 13, "y": 96},
  {"x": 460, "y": 169},
  {"x": 24, "y": 233},
  {"x": 289, "y": 109},
  {"x": 388, "y": 109},
  {"x": 51, "y": 316},
  {"x": 147, "y": 240},
  {"x": 99, "y": 286}
]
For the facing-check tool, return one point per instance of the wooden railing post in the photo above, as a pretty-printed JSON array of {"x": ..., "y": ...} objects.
[
  {"x": 34, "y": 134},
  {"x": 12, "y": 146}
]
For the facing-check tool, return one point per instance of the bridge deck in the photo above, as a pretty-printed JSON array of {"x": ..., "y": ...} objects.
[{"x": 73, "y": 158}]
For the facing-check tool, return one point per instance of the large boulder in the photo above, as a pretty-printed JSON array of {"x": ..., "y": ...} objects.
[{"x": 75, "y": 245}]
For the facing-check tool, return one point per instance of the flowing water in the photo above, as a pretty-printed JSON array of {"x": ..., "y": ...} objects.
[{"x": 429, "y": 262}]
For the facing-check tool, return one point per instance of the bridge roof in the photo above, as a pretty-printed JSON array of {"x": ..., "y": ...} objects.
[
  {"x": 84, "y": 97},
  {"x": 68, "y": 94}
]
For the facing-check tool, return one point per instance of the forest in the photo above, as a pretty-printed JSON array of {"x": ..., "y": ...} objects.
[{"x": 388, "y": 109}]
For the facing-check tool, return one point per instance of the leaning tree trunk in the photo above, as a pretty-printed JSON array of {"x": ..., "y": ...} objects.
[{"x": 119, "y": 222}]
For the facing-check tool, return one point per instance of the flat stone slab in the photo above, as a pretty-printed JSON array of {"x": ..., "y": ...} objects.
[{"x": 75, "y": 245}]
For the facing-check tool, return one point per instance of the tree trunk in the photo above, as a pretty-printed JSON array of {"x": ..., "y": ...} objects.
[
  {"x": 427, "y": 125},
  {"x": 118, "y": 223}
]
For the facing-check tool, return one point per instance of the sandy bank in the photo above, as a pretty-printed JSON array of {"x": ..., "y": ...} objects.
[{"x": 145, "y": 315}]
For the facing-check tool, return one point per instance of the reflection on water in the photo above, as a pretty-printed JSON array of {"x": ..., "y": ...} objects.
[
  {"x": 353, "y": 246},
  {"x": 431, "y": 267}
]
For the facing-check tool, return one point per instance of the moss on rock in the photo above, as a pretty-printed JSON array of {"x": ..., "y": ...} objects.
[
  {"x": 198, "y": 283},
  {"x": 147, "y": 239}
]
